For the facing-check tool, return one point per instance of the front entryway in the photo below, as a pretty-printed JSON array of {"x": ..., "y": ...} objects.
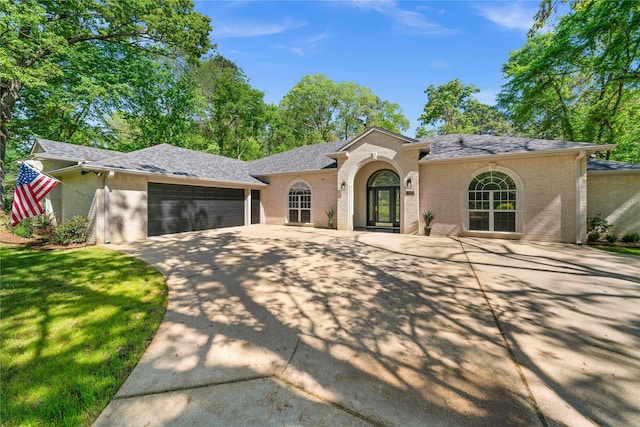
[{"x": 383, "y": 200}]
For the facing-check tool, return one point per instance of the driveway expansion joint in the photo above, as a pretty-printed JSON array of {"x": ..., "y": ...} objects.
[{"x": 505, "y": 341}]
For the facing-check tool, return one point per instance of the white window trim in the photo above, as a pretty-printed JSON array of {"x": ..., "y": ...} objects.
[
  {"x": 286, "y": 202},
  {"x": 520, "y": 201}
]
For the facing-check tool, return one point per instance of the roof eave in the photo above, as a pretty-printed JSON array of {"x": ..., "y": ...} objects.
[
  {"x": 540, "y": 153},
  {"x": 173, "y": 176},
  {"x": 313, "y": 171}
]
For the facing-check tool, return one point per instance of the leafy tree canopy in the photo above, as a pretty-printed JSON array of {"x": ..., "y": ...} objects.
[
  {"x": 580, "y": 81},
  {"x": 318, "y": 109},
  {"x": 450, "y": 109},
  {"x": 41, "y": 42}
]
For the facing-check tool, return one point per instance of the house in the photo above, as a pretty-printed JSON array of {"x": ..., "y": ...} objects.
[{"x": 488, "y": 186}]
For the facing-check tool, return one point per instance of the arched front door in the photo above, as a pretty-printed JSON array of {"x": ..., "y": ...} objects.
[{"x": 383, "y": 199}]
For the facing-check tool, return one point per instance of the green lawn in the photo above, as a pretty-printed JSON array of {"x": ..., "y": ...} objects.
[
  {"x": 74, "y": 324},
  {"x": 620, "y": 250}
]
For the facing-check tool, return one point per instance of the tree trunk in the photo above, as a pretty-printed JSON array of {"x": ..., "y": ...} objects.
[{"x": 9, "y": 94}]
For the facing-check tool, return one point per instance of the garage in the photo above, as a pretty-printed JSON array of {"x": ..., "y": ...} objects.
[{"x": 176, "y": 208}]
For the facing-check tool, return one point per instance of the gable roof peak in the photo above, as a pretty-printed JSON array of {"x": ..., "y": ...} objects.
[{"x": 377, "y": 129}]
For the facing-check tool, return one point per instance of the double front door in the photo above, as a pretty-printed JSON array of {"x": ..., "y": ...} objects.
[{"x": 383, "y": 207}]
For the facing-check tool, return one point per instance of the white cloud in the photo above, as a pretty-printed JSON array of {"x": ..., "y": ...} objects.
[
  {"x": 511, "y": 16},
  {"x": 254, "y": 29},
  {"x": 404, "y": 20},
  {"x": 304, "y": 47}
]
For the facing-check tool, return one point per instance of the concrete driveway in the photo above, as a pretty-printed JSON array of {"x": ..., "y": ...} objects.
[{"x": 299, "y": 326}]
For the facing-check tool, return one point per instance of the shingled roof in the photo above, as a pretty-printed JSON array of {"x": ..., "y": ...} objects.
[
  {"x": 70, "y": 152},
  {"x": 168, "y": 160},
  {"x": 459, "y": 146},
  {"x": 600, "y": 165},
  {"x": 305, "y": 158}
]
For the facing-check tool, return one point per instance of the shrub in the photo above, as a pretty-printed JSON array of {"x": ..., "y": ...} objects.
[
  {"x": 43, "y": 225},
  {"x": 72, "y": 231},
  {"x": 24, "y": 228},
  {"x": 593, "y": 236},
  {"x": 611, "y": 237},
  {"x": 598, "y": 224},
  {"x": 631, "y": 237}
]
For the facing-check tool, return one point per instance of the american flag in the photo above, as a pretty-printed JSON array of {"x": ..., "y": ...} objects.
[{"x": 31, "y": 188}]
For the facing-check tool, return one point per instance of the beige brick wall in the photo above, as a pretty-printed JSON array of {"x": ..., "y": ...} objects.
[
  {"x": 76, "y": 195},
  {"x": 617, "y": 198},
  {"x": 546, "y": 195},
  {"x": 374, "y": 152},
  {"x": 127, "y": 208},
  {"x": 323, "y": 196}
]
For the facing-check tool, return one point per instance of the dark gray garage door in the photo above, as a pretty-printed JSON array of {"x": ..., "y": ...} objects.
[{"x": 176, "y": 208}]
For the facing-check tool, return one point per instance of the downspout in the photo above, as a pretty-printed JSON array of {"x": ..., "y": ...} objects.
[
  {"x": 107, "y": 224},
  {"x": 579, "y": 158}
]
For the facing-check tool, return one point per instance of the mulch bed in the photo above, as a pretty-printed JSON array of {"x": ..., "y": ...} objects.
[{"x": 8, "y": 238}]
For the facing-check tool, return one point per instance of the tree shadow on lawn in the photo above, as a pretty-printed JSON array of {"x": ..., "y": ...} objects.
[
  {"x": 63, "y": 367},
  {"x": 397, "y": 339}
]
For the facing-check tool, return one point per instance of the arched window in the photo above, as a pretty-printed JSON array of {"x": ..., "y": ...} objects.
[
  {"x": 300, "y": 203},
  {"x": 492, "y": 202}
]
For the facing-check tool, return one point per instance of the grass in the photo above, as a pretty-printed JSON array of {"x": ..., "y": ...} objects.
[
  {"x": 620, "y": 250},
  {"x": 74, "y": 325}
]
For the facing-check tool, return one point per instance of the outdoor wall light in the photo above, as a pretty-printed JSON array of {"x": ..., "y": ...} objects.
[
  {"x": 343, "y": 186},
  {"x": 408, "y": 183}
]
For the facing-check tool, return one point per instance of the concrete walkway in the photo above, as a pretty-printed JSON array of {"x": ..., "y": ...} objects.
[{"x": 298, "y": 326}]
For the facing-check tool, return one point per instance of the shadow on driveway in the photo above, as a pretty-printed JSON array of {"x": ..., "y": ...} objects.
[{"x": 278, "y": 325}]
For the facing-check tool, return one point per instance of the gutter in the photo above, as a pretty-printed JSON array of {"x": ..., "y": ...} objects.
[
  {"x": 107, "y": 221},
  {"x": 578, "y": 170}
]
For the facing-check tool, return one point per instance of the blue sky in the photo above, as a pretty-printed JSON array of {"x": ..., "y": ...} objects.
[{"x": 396, "y": 48}]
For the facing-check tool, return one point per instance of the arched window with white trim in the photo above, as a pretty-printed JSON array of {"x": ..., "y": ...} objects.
[
  {"x": 300, "y": 203},
  {"x": 492, "y": 202}
]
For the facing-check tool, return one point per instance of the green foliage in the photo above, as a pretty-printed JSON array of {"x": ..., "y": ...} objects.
[
  {"x": 631, "y": 237},
  {"x": 428, "y": 217},
  {"x": 74, "y": 325},
  {"x": 330, "y": 214},
  {"x": 318, "y": 109},
  {"x": 580, "y": 81},
  {"x": 232, "y": 114},
  {"x": 598, "y": 224},
  {"x": 61, "y": 63},
  {"x": 611, "y": 237},
  {"x": 593, "y": 236},
  {"x": 451, "y": 109},
  {"x": 71, "y": 231}
]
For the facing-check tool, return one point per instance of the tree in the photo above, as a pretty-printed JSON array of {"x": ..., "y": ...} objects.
[
  {"x": 233, "y": 113},
  {"x": 35, "y": 36},
  {"x": 580, "y": 81},
  {"x": 450, "y": 109},
  {"x": 159, "y": 108},
  {"x": 309, "y": 109},
  {"x": 318, "y": 109}
]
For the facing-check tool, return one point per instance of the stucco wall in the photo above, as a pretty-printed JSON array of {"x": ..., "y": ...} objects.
[
  {"x": 323, "y": 196},
  {"x": 546, "y": 205},
  {"x": 617, "y": 198},
  {"x": 77, "y": 195}
]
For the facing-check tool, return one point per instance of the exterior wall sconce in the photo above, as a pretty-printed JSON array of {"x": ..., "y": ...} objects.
[
  {"x": 408, "y": 183},
  {"x": 343, "y": 186}
]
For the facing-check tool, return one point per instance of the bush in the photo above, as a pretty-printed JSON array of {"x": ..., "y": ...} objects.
[
  {"x": 72, "y": 231},
  {"x": 611, "y": 237},
  {"x": 631, "y": 237},
  {"x": 598, "y": 224},
  {"x": 23, "y": 229},
  {"x": 593, "y": 236}
]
